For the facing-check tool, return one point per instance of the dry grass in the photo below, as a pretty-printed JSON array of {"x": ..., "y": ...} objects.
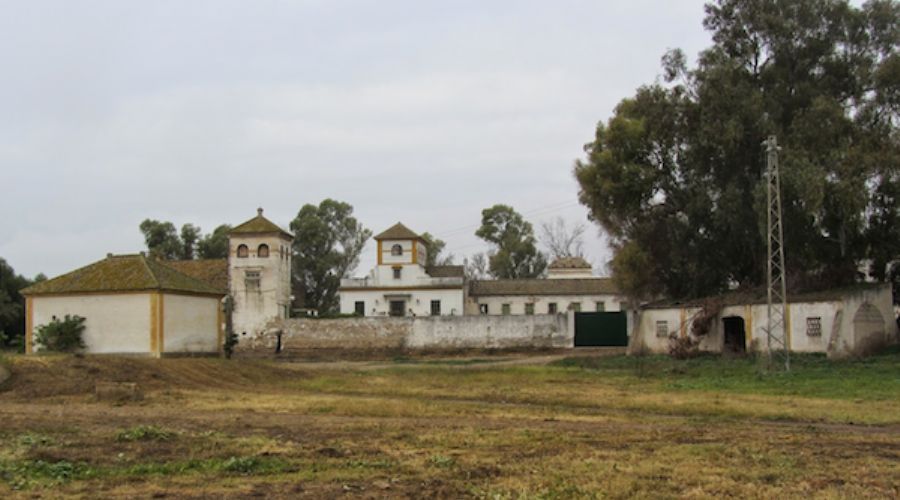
[{"x": 253, "y": 428}]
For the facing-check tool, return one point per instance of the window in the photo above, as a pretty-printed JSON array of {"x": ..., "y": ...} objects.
[
  {"x": 263, "y": 251},
  {"x": 662, "y": 328},
  {"x": 575, "y": 306},
  {"x": 435, "y": 307},
  {"x": 398, "y": 308},
  {"x": 243, "y": 252},
  {"x": 814, "y": 327},
  {"x": 529, "y": 308},
  {"x": 396, "y": 250},
  {"x": 359, "y": 307},
  {"x": 505, "y": 309},
  {"x": 601, "y": 306},
  {"x": 483, "y": 308},
  {"x": 251, "y": 280},
  {"x": 397, "y": 272},
  {"x": 551, "y": 308}
]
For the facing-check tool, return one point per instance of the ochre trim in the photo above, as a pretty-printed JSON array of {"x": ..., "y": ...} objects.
[
  {"x": 29, "y": 325},
  {"x": 220, "y": 330},
  {"x": 380, "y": 256},
  {"x": 128, "y": 292},
  {"x": 157, "y": 319},
  {"x": 748, "y": 324},
  {"x": 683, "y": 326},
  {"x": 398, "y": 288},
  {"x": 162, "y": 323},
  {"x": 787, "y": 328},
  {"x": 415, "y": 252}
]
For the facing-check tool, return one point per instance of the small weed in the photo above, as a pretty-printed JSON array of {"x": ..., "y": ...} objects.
[
  {"x": 145, "y": 433},
  {"x": 30, "y": 440},
  {"x": 442, "y": 461}
]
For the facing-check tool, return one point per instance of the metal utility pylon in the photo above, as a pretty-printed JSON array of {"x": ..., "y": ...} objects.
[{"x": 776, "y": 327}]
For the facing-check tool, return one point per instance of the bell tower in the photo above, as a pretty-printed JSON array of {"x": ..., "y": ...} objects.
[{"x": 259, "y": 273}]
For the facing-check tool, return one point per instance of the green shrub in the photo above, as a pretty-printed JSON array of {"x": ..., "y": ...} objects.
[
  {"x": 61, "y": 335},
  {"x": 231, "y": 341}
]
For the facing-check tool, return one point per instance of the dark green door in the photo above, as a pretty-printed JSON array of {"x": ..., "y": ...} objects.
[{"x": 601, "y": 329}]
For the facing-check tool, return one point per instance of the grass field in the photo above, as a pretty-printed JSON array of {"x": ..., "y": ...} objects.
[{"x": 484, "y": 427}]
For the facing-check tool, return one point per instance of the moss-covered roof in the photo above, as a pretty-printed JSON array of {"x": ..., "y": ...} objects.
[
  {"x": 123, "y": 273},
  {"x": 760, "y": 296},
  {"x": 398, "y": 232},
  {"x": 211, "y": 271},
  {"x": 260, "y": 225}
]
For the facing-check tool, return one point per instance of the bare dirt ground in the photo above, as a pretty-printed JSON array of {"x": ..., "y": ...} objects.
[{"x": 467, "y": 426}]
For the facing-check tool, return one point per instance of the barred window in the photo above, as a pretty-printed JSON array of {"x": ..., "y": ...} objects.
[
  {"x": 662, "y": 328},
  {"x": 814, "y": 327}
]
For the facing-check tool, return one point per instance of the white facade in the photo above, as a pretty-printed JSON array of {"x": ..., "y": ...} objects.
[
  {"x": 841, "y": 324},
  {"x": 259, "y": 270},
  {"x": 114, "y": 323},
  {"x": 146, "y": 323},
  {"x": 190, "y": 323},
  {"x": 497, "y": 305},
  {"x": 400, "y": 285}
]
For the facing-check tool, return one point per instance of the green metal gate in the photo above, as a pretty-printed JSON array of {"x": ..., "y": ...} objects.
[{"x": 601, "y": 329}]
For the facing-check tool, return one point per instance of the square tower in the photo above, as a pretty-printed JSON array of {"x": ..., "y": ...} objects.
[{"x": 259, "y": 273}]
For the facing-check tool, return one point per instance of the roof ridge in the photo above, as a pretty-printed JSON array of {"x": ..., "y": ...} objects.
[{"x": 153, "y": 277}]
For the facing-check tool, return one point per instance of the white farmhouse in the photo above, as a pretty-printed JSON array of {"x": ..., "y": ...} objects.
[{"x": 401, "y": 284}]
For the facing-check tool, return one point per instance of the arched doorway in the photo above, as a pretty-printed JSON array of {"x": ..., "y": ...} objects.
[{"x": 734, "y": 337}]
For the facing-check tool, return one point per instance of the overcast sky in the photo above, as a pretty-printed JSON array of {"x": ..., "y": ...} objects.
[{"x": 200, "y": 111}]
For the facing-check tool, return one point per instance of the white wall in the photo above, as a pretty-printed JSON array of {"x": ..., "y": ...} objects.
[
  {"x": 491, "y": 332},
  {"x": 191, "y": 324},
  {"x": 541, "y": 303},
  {"x": 406, "y": 258},
  {"x": 378, "y": 301},
  {"x": 114, "y": 323}
]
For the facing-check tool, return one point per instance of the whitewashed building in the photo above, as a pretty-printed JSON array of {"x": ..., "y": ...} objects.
[
  {"x": 856, "y": 320},
  {"x": 569, "y": 286},
  {"x": 132, "y": 304},
  {"x": 401, "y": 284}
]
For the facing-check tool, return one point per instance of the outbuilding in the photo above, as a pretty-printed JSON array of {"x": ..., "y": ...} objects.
[
  {"x": 132, "y": 304},
  {"x": 842, "y": 322}
]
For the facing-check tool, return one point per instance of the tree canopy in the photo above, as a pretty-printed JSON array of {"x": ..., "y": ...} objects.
[
  {"x": 434, "y": 247},
  {"x": 514, "y": 254},
  {"x": 163, "y": 240},
  {"x": 328, "y": 241},
  {"x": 12, "y": 305},
  {"x": 676, "y": 175}
]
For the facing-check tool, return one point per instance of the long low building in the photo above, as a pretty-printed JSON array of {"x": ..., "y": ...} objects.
[{"x": 844, "y": 322}]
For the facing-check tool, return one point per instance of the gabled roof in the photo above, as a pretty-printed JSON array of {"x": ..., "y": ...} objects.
[
  {"x": 398, "y": 232},
  {"x": 260, "y": 225},
  {"x": 446, "y": 271},
  {"x": 571, "y": 286},
  {"x": 123, "y": 273},
  {"x": 759, "y": 296},
  {"x": 211, "y": 271},
  {"x": 570, "y": 263}
]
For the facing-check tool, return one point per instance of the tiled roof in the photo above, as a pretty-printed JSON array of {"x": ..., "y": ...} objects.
[
  {"x": 259, "y": 225},
  {"x": 446, "y": 271},
  {"x": 759, "y": 296},
  {"x": 123, "y": 273},
  {"x": 398, "y": 232},
  {"x": 570, "y": 263},
  {"x": 211, "y": 271},
  {"x": 577, "y": 286}
]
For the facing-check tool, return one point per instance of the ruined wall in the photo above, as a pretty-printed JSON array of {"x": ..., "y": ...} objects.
[{"x": 439, "y": 332}]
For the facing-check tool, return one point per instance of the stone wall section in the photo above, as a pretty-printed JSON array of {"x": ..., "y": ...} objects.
[{"x": 425, "y": 333}]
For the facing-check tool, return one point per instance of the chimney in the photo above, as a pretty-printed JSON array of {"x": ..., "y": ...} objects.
[
  {"x": 109, "y": 255},
  {"x": 259, "y": 211}
]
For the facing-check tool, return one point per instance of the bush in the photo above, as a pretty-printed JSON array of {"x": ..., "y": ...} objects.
[
  {"x": 231, "y": 340},
  {"x": 61, "y": 335},
  {"x": 683, "y": 347}
]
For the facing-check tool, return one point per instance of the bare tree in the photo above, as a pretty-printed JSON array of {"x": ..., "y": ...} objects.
[
  {"x": 476, "y": 267},
  {"x": 562, "y": 241}
]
